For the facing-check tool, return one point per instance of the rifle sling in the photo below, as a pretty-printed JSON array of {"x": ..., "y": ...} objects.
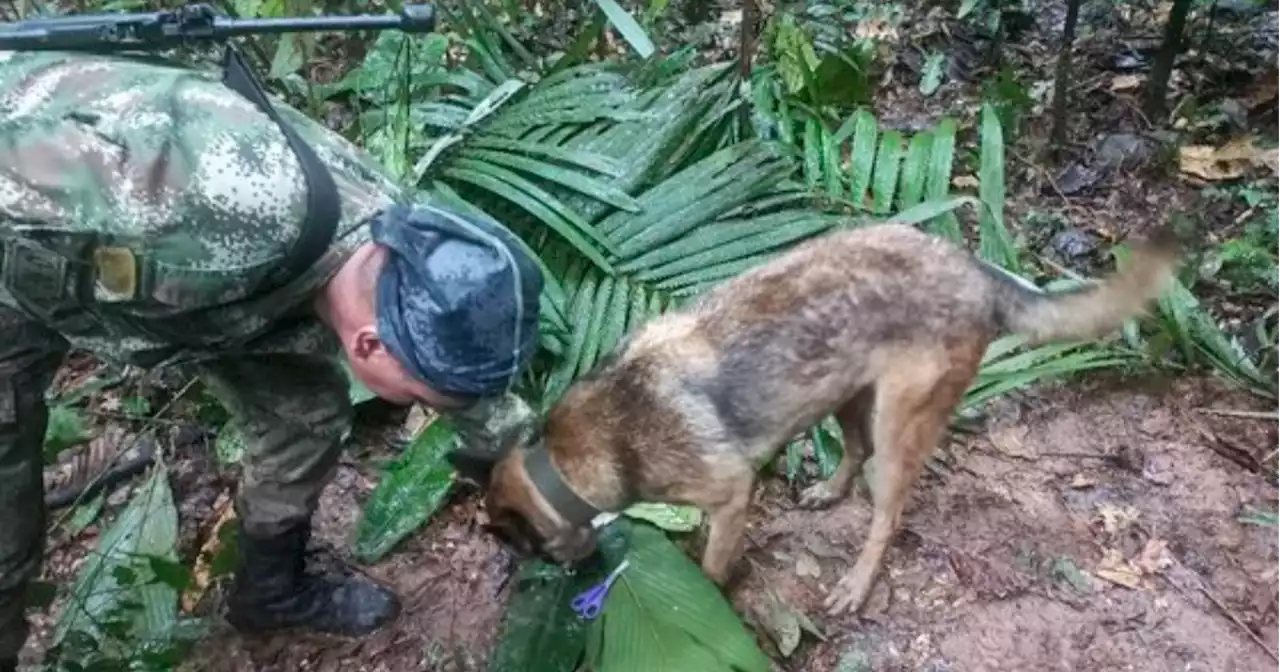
[{"x": 324, "y": 208}]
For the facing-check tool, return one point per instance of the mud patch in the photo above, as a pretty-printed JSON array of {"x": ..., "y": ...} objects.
[{"x": 999, "y": 566}]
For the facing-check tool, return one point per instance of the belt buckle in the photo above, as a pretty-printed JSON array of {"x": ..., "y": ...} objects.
[
  {"x": 115, "y": 272},
  {"x": 34, "y": 273}
]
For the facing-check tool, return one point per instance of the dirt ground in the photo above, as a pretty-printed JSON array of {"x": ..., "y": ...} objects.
[
  {"x": 1088, "y": 527},
  {"x": 1085, "y": 526}
]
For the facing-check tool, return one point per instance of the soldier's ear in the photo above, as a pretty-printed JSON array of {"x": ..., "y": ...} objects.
[{"x": 474, "y": 468}]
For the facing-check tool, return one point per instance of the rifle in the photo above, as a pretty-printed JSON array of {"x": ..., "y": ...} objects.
[{"x": 165, "y": 29}]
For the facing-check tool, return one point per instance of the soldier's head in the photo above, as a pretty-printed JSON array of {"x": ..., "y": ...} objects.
[{"x": 440, "y": 309}]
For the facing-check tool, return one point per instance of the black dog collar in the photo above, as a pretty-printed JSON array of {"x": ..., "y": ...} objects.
[{"x": 547, "y": 479}]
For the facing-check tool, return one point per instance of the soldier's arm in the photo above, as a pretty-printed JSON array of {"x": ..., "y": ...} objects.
[{"x": 488, "y": 429}]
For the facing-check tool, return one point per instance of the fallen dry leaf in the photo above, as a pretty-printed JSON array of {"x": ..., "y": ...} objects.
[
  {"x": 1226, "y": 162},
  {"x": 1154, "y": 557},
  {"x": 780, "y": 622},
  {"x": 200, "y": 572},
  {"x": 875, "y": 29},
  {"x": 1115, "y": 519},
  {"x": 1125, "y": 82},
  {"x": 1114, "y": 568},
  {"x": 807, "y": 565},
  {"x": 1011, "y": 441},
  {"x": 1264, "y": 91},
  {"x": 1080, "y": 481}
]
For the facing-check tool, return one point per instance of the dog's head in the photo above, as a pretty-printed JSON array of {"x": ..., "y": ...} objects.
[{"x": 525, "y": 522}]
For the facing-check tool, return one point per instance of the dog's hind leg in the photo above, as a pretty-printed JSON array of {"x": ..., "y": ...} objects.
[
  {"x": 855, "y": 424},
  {"x": 913, "y": 405}
]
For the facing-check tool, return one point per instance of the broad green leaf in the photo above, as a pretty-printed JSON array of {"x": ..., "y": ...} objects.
[
  {"x": 832, "y": 172},
  {"x": 66, "y": 428},
  {"x": 229, "y": 445},
  {"x": 169, "y": 572},
  {"x": 595, "y": 325},
  {"x": 812, "y": 152},
  {"x": 923, "y": 212},
  {"x": 109, "y": 376},
  {"x": 689, "y": 208},
  {"x": 615, "y": 316},
  {"x": 934, "y": 68},
  {"x": 827, "y": 449},
  {"x": 148, "y": 526},
  {"x": 492, "y": 23},
  {"x": 995, "y": 243},
  {"x": 739, "y": 254},
  {"x": 628, "y": 27},
  {"x": 408, "y": 493},
  {"x": 535, "y": 201},
  {"x": 588, "y": 186},
  {"x": 863, "y": 155},
  {"x": 582, "y": 307},
  {"x": 667, "y": 516},
  {"x": 663, "y": 613},
  {"x": 85, "y": 514},
  {"x": 541, "y": 632},
  {"x": 1199, "y": 338},
  {"x": 582, "y": 45},
  {"x": 795, "y": 459},
  {"x": 938, "y": 178},
  {"x": 1006, "y": 368},
  {"x": 885, "y": 181},
  {"x": 594, "y": 161},
  {"x": 914, "y": 169}
]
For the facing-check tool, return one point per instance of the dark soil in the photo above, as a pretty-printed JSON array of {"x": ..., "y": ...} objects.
[
  {"x": 1088, "y": 525},
  {"x": 998, "y": 567}
]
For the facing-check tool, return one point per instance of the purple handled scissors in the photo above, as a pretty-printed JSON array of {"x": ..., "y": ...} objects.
[{"x": 589, "y": 604}]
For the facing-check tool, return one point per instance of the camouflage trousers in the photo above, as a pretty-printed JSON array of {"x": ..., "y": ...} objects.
[{"x": 294, "y": 412}]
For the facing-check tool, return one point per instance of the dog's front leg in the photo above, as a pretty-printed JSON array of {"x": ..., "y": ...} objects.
[{"x": 728, "y": 524}]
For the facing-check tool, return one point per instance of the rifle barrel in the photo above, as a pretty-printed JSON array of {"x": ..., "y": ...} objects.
[
  {"x": 414, "y": 19},
  {"x": 166, "y": 29}
]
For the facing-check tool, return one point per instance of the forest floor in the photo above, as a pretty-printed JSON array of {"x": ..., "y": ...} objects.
[{"x": 1090, "y": 524}]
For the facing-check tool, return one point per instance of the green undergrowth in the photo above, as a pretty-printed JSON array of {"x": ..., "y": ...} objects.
[{"x": 638, "y": 183}]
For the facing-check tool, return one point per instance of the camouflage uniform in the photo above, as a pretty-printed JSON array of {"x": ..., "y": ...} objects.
[{"x": 193, "y": 180}]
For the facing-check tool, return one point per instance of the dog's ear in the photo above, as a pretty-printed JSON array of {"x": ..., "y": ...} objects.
[{"x": 474, "y": 468}]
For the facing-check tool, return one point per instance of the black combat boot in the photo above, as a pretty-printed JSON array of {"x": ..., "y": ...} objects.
[{"x": 272, "y": 590}]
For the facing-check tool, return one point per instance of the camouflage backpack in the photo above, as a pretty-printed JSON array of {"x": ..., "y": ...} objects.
[{"x": 146, "y": 207}]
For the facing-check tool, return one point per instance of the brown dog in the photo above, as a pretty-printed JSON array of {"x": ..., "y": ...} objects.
[{"x": 883, "y": 326}]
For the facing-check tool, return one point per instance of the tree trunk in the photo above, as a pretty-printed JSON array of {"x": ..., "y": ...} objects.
[
  {"x": 1062, "y": 78},
  {"x": 1158, "y": 85},
  {"x": 747, "y": 37}
]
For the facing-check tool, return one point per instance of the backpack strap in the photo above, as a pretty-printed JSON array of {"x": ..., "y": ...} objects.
[{"x": 324, "y": 208}]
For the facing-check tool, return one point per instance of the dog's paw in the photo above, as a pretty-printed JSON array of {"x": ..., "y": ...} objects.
[
  {"x": 819, "y": 496},
  {"x": 848, "y": 595}
]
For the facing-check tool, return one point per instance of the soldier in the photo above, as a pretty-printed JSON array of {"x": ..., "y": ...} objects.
[{"x": 156, "y": 217}]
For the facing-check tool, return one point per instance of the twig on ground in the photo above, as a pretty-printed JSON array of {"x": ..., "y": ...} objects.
[
  {"x": 1087, "y": 456},
  {"x": 1226, "y": 611},
  {"x": 1044, "y": 173},
  {"x": 1227, "y": 449},
  {"x": 1260, "y": 415},
  {"x": 108, "y": 415},
  {"x": 132, "y": 443}
]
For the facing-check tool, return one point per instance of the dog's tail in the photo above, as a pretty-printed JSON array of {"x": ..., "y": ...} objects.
[{"x": 1091, "y": 311}]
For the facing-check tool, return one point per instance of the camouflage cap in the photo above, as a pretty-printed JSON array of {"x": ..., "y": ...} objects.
[{"x": 457, "y": 300}]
